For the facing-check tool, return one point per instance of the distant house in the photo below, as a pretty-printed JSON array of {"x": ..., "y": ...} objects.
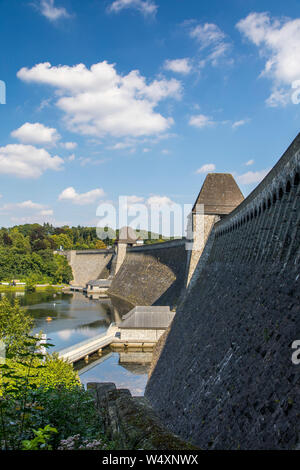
[
  {"x": 145, "y": 323},
  {"x": 98, "y": 286}
]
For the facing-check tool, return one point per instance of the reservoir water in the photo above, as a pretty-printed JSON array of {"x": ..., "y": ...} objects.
[{"x": 68, "y": 318}]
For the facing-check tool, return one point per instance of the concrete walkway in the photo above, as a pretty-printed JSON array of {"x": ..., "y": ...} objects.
[{"x": 85, "y": 348}]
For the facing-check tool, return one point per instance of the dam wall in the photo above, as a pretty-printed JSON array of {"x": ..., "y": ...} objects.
[
  {"x": 152, "y": 274},
  {"x": 88, "y": 265},
  {"x": 225, "y": 378}
]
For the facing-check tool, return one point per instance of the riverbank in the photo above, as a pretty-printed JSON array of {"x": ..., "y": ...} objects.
[{"x": 38, "y": 288}]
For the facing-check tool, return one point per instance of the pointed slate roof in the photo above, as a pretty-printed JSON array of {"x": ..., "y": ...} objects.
[
  {"x": 127, "y": 235},
  {"x": 220, "y": 194},
  {"x": 147, "y": 317}
]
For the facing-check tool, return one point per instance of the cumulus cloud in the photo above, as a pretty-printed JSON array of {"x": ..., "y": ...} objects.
[
  {"x": 134, "y": 199},
  {"x": 22, "y": 205},
  {"x": 278, "y": 40},
  {"x": 252, "y": 176},
  {"x": 212, "y": 41},
  {"x": 98, "y": 101},
  {"x": 206, "y": 168},
  {"x": 201, "y": 121},
  {"x": 156, "y": 200},
  {"x": 27, "y": 161},
  {"x": 131, "y": 201},
  {"x": 48, "y": 9},
  {"x": 36, "y": 133},
  {"x": 46, "y": 212},
  {"x": 183, "y": 66},
  {"x": 122, "y": 145},
  {"x": 146, "y": 7},
  {"x": 27, "y": 212},
  {"x": 70, "y": 194},
  {"x": 69, "y": 145}
]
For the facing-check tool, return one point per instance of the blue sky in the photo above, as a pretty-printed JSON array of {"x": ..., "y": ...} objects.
[{"x": 140, "y": 98}]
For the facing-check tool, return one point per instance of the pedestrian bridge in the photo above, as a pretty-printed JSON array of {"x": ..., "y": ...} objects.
[{"x": 84, "y": 349}]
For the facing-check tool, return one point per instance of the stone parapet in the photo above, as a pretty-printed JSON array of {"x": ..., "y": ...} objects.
[{"x": 131, "y": 422}]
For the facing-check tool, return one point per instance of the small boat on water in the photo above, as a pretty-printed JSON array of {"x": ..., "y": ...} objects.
[{"x": 49, "y": 319}]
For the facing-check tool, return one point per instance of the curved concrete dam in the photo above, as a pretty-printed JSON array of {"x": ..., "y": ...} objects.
[
  {"x": 225, "y": 378},
  {"x": 152, "y": 274}
]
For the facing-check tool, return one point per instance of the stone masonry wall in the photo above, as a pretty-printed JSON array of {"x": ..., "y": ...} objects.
[
  {"x": 88, "y": 265},
  {"x": 225, "y": 378},
  {"x": 152, "y": 274}
]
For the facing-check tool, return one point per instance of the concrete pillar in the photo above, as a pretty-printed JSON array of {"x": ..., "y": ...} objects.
[
  {"x": 121, "y": 254},
  {"x": 202, "y": 226}
]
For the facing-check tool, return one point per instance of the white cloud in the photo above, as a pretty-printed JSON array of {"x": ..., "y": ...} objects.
[
  {"x": 183, "y": 66},
  {"x": 98, "y": 101},
  {"x": 278, "y": 97},
  {"x": 201, "y": 121},
  {"x": 26, "y": 205},
  {"x": 146, "y": 7},
  {"x": 122, "y": 145},
  {"x": 165, "y": 152},
  {"x": 69, "y": 145},
  {"x": 240, "y": 123},
  {"x": 206, "y": 168},
  {"x": 90, "y": 161},
  {"x": 252, "y": 176},
  {"x": 134, "y": 199},
  {"x": 70, "y": 194},
  {"x": 278, "y": 40},
  {"x": 50, "y": 11},
  {"x": 36, "y": 133},
  {"x": 44, "y": 104},
  {"x": 27, "y": 212},
  {"x": 46, "y": 212},
  {"x": 131, "y": 200},
  {"x": 249, "y": 162},
  {"x": 159, "y": 201},
  {"x": 27, "y": 161},
  {"x": 211, "y": 40},
  {"x": 72, "y": 157}
]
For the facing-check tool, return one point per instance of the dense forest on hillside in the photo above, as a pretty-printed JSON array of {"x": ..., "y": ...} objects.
[
  {"x": 26, "y": 254},
  {"x": 26, "y": 251}
]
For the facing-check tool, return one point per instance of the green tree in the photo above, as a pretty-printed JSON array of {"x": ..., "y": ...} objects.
[
  {"x": 62, "y": 240},
  {"x": 15, "y": 324},
  {"x": 20, "y": 243},
  {"x": 63, "y": 270}
]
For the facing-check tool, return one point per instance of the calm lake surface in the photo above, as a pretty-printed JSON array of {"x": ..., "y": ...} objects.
[{"x": 68, "y": 319}]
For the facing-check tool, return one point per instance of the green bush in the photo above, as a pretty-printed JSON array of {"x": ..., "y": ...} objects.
[
  {"x": 51, "y": 373},
  {"x": 39, "y": 393},
  {"x": 70, "y": 411}
]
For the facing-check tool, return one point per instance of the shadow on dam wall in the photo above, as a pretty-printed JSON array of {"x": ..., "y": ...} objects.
[
  {"x": 225, "y": 378},
  {"x": 152, "y": 274}
]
